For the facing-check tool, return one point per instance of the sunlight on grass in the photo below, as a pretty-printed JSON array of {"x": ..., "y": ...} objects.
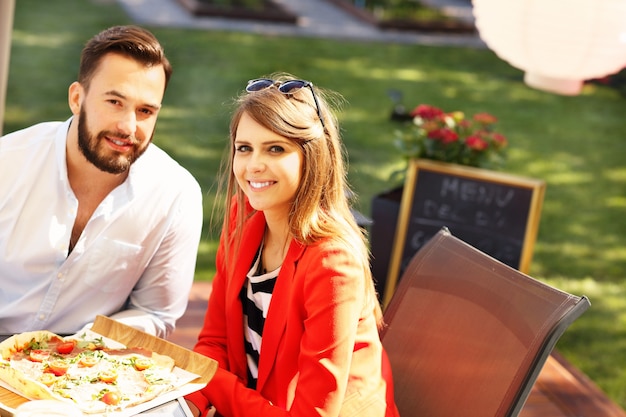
[
  {"x": 200, "y": 152},
  {"x": 615, "y": 254},
  {"x": 206, "y": 260},
  {"x": 524, "y": 95},
  {"x": 597, "y": 340},
  {"x": 570, "y": 178},
  {"x": 18, "y": 116},
  {"x": 382, "y": 172},
  {"x": 46, "y": 40},
  {"x": 361, "y": 68},
  {"x": 616, "y": 174},
  {"x": 616, "y": 201},
  {"x": 405, "y": 74}
]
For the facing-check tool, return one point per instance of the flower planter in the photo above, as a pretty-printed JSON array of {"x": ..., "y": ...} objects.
[
  {"x": 270, "y": 11},
  {"x": 384, "y": 212},
  {"x": 440, "y": 24}
]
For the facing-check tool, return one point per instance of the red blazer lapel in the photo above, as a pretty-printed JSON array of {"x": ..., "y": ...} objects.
[
  {"x": 277, "y": 318},
  {"x": 239, "y": 267}
]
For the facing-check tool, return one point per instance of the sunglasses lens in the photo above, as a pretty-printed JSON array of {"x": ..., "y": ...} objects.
[
  {"x": 257, "y": 85},
  {"x": 289, "y": 86}
]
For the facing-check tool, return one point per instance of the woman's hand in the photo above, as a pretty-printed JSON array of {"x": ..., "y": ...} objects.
[{"x": 194, "y": 410}]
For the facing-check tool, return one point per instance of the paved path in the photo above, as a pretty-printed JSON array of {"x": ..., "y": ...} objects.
[
  {"x": 188, "y": 326},
  {"x": 316, "y": 18}
]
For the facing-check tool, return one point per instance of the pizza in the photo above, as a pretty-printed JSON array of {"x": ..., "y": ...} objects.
[{"x": 82, "y": 369}]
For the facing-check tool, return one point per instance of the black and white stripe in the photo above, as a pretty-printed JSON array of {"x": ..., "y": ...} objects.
[{"x": 255, "y": 297}]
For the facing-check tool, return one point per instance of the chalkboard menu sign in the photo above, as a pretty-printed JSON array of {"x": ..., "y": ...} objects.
[{"x": 496, "y": 213}]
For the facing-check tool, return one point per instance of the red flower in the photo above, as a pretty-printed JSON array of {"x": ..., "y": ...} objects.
[
  {"x": 444, "y": 135},
  {"x": 476, "y": 143},
  {"x": 452, "y": 137},
  {"x": 485, "y": 118},
  {"x": 430, "y": 125},
  {"x": 427, "y": 112},
  {"x": 465, "y": 124},
  {"x": 499, "y": 140}
]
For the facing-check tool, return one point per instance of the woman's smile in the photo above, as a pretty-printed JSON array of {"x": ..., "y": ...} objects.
[{"x": 259, "y": 185}]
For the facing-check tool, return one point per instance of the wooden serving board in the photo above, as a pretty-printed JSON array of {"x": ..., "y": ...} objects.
[
  {"x": 185, "y": 359},
  {"x": 9, "y": 399}
]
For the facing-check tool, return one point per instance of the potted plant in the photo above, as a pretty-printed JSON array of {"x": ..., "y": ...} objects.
[
  {"x": 452, "y": 137},
  {"x": 429, "y": 132}
]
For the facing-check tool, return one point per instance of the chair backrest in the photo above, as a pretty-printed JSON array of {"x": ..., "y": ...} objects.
[{"x": 468, "y": 335}]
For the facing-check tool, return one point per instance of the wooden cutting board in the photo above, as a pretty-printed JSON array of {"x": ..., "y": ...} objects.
[
  {"x": 186, "y": 359},
  {"x": 9, "y": 399}
]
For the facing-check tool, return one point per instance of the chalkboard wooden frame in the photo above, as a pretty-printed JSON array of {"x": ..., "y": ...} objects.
[{"x": 529, "y": 194}]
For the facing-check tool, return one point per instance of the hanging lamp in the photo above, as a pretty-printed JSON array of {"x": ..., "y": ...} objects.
[{"x": 557, "y": 43}]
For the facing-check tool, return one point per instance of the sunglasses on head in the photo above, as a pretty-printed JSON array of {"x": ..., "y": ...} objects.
[{"x": 285, "y": 87}]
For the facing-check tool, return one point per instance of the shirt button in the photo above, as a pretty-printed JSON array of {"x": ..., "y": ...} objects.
[
  {"x": 60, "y": 275},
  {"x": 42, "y": 317}
]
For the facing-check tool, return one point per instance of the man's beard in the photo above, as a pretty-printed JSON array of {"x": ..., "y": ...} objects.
[{"x": 108, "y": 161}]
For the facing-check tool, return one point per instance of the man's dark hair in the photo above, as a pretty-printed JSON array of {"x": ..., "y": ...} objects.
[{"x": 130, "y": 41}]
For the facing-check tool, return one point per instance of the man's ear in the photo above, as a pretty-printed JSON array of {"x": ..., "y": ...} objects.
[{"x": 75, "y": 97}]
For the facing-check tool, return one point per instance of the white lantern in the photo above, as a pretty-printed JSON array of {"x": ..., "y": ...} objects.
[{"x": 558, "y": 43}]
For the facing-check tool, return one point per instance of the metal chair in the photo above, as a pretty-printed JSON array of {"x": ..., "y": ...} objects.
[{"x": 468, "y": 335}]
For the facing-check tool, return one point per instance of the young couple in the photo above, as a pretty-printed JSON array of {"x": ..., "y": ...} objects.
[{"x": 293, "y": 316}]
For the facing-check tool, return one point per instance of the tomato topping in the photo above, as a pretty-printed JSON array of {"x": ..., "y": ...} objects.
[
  {"x": 87, "y": 361},
  {"x": 47, "y": 379},
  {"x": 66, "y": 347},
  {"x": 39, "y": 355},
  {"x": 58, "y": 367},
  {"x": 111, "y": 398},
  {"x": 108, "y": 376},
  {"x": 141, "y": 364},
  {"x": 55, "y": 339}
]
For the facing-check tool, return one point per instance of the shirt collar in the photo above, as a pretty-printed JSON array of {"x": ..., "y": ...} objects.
[{"x": 127, "y": 187}]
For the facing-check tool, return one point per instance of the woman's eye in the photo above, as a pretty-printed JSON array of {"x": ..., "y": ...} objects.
[
  {"x": 277, "y": 149},
  {"x": 242, "y": 148}
]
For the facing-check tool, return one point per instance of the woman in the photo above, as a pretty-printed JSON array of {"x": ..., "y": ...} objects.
[{"x": 292, "y": 270}]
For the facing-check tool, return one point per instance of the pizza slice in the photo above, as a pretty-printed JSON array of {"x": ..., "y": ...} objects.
[{"x": 95, "y": 377}]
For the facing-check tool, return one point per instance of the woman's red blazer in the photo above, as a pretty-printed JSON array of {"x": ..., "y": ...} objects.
[{"x": 321, "y": 354}]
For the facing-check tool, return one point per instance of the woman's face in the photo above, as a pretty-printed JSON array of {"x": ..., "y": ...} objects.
[{"x": 267, "y": 166}]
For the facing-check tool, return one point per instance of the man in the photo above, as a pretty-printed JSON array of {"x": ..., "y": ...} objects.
[{"x": 94, "y": 218}]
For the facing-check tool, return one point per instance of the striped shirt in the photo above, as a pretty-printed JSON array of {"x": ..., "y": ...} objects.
[{"x": 256, "y": 295}]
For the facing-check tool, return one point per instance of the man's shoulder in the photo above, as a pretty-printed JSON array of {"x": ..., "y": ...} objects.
[
  {"x": 31, "y": 135},
  {"x": 160, "y": 166}
]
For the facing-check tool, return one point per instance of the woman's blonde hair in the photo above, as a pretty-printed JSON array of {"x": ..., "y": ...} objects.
[{"x": 320, "y": 209}]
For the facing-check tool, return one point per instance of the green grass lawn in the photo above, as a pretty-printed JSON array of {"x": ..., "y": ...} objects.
[{"x": 575, "y": 144}]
